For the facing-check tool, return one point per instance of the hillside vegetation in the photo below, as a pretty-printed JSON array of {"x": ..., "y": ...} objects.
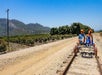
[{"x": 19, "y": 28}]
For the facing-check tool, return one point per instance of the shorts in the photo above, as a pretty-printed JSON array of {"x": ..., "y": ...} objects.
[
  {"x": 82, "y": 43},
  {"x": 90, "y": 44}
]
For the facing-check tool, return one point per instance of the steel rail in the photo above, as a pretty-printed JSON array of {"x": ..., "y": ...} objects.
[{"x": 68, "y": 66}]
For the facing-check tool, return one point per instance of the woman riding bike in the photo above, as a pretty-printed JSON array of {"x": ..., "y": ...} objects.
[{"x": 89, "y": 39}]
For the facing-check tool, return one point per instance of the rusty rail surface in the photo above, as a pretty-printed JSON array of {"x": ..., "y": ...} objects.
[{"x": 68, "y": 66}]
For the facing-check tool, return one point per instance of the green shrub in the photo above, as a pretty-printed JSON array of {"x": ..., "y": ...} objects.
[{"x": 3, "y": 47}]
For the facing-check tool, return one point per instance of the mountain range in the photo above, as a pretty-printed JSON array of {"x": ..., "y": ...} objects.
[{"x": 17, "y": 27}]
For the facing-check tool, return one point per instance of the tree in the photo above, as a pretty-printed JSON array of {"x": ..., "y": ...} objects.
[
  {"x": 85, "y": 27},
  {"x": 75, "y": 28},
  {"x": 54, "y": 31},
  {"x": 67, "y": 29},
  {"x": 64, "y": 30}
]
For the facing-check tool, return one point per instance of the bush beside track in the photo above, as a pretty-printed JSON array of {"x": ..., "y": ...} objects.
[
  {"x": 31, "y": 40},
  {"x": 3, "y": 46}
]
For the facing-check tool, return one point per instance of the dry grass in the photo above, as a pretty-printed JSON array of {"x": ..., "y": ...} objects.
[
  {"x": 15, "y": 47},
  {"x": 100, "y": 33}
]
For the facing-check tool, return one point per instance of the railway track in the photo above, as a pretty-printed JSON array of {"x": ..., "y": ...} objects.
[{"x": 82, "y": 64}]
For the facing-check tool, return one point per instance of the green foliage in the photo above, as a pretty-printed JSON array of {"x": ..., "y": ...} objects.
[
  {"x": 61, "y": 30},
  {"x": 73, "y": 29},
  {"x": 64, "y": 30},
  {"x": 86, "y": 28},
  {"x": 3, "y": 45},
  {"x": 54, "y": 31},
  {"x": 31, "y": 40}
]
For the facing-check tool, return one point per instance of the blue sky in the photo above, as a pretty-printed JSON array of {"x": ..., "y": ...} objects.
[{"x": 54, "y": 13}]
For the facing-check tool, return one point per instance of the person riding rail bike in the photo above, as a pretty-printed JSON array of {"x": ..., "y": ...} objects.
[
  {"x": 90, "y": 42},
  {"x": 89, "y": 39},
  {"x": 81, "y": 41},
  {"x": 81, "y": 37},
  {"x": 85, "y": 40}
]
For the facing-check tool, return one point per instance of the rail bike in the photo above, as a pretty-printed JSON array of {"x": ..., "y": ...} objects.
[{"x": 86, "y": 50}]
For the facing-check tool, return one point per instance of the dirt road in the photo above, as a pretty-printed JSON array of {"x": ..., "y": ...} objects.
[
  {"x": 36, "y": 60},
  {"x": 39, "y": 60},
  {"x": 98, "y": 42}
]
